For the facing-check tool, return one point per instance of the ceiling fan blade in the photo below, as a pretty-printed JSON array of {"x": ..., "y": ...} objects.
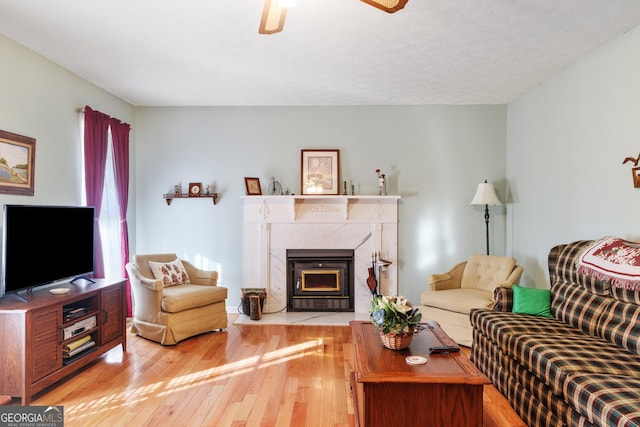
[
  {"x": 387, "y": 5},
  {"x": 272, "y": 18}
]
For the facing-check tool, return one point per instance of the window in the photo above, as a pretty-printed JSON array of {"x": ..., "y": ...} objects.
[
  {"x": 110, "y": 220},
  {"x": 109, "y": 216}
]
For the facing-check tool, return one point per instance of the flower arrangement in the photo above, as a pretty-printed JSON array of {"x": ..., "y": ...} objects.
[{"x": 394, "y": 315}]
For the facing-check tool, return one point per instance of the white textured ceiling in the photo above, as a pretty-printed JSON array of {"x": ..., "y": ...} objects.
[{"x": 331, "y": 52}]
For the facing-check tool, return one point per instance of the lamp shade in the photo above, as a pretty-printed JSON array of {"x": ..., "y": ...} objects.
[{"x": 485, "y": 195}]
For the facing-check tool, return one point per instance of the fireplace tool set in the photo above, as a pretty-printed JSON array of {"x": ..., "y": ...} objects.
[{"x": 380, "y": 265}]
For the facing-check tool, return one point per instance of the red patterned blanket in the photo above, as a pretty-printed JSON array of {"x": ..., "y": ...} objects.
[{"x": 614, "y": 259}]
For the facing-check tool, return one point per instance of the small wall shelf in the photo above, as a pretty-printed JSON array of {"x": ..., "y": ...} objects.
[{"x": 169, "y": 197}]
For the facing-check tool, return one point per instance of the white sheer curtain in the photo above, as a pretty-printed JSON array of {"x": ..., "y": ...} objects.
[
  {"x": 109, "y": 216},
  {"x": 110, "y": 220}
]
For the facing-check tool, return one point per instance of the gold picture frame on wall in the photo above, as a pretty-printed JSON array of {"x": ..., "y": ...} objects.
[
  {"x": 17, "y": 163},
  {"x": 320, "y": 172}
]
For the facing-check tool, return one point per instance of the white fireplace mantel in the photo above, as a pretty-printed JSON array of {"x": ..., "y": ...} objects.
[{"x": 273, "y": 224}]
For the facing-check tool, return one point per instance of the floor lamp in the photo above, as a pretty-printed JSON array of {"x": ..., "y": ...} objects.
[{"x": 486, "y": 195}]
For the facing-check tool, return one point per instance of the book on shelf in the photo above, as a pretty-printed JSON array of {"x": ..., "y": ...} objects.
[
  {"x": 77, "y": 343},
  {"x": 77, "y": 350},
  {"x": 67, "y": 360}
]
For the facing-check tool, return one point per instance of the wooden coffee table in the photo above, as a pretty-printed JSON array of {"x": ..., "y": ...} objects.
[{"x": 387, "y": 391}]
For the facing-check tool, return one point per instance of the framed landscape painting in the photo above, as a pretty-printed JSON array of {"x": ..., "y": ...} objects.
[
  {"x": 320, "y": 172},
  {"x": 17, "y": 163}
]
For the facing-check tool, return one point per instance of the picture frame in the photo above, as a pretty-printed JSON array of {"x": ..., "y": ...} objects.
[
  {"x": 320, "y": 172},
  {"x": 195, "y": 189},
  {"x": 17, "y": 164},
  {"x": 253, "y": 186}
]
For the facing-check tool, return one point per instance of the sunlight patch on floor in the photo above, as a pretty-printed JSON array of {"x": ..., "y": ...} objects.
[{"x": 219, "y": 373}]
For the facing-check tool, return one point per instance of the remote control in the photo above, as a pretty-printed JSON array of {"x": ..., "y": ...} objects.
[{"x": 444, "y": 349}]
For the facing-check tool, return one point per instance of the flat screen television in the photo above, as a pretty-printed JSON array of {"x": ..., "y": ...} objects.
[{"x": 45, "y": 244}]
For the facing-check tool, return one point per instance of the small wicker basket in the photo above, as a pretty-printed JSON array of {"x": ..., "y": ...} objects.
[{"x": 396, "y": 341}]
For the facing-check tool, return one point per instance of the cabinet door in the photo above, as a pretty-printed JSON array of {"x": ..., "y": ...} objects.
[
  {"x": 112, "y": 306},
  {"x": 47, "y": 356}
]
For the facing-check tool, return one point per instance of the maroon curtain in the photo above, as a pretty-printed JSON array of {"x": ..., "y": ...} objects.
[
  {"x": 120, "y": 137},
  {"x": 96, "y": 137}
]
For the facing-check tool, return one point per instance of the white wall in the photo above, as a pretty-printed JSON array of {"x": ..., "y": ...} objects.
[
  {"x": 434, "y": 158},
  {"x": 566, "y": 143},
  {"x": 39, "y": 100},
  {"x": 555, "y": 153}
]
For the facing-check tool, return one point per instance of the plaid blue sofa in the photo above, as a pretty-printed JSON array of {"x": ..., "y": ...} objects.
[{"x": 579, "y": 368}]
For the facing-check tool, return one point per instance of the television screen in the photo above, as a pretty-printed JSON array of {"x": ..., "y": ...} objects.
[{"x": 45, "y": 244}]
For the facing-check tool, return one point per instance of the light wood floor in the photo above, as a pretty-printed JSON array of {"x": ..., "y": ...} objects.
[{"x": 255, "y": 375}]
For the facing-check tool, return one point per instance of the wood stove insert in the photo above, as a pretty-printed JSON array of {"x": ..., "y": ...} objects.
[{"x": 320, "y": 280}]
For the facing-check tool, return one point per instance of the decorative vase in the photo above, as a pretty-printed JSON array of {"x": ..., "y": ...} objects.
[
  {"x": 396, "y": 341},
  {"x": 382, "y": 185}
]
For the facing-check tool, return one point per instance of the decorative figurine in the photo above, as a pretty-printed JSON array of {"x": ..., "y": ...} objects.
[
  {"x": 206, "y": 190},
  {"x": 177, "y": 190},
  {"x": 382, "y": 183},
  {"x": 275, "y": 188},
  {"x": 634, "y": 170},
  {"x": 631, "y": 159}
]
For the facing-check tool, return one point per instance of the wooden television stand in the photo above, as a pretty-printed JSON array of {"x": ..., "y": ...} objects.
[{"x": 36, "y": 335}]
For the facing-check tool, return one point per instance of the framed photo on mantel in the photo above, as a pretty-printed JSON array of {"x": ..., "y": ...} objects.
[
  {"x": 253, "y": 186},
  {"x": 320, "y": 172}
]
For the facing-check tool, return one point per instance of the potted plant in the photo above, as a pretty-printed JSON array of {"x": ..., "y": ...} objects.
[{"x": 395, "y": 319}]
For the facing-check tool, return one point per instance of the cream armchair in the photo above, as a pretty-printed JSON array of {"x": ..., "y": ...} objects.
[
  {"x": 468, "y": 285},
  {"x": 169, "y": 314}
]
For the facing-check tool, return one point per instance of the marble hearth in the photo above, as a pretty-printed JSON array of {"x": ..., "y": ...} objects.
[{"x": 273, "y": 224}]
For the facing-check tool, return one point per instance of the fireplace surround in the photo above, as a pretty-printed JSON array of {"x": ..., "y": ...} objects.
[{"x": 275, "y": 224}]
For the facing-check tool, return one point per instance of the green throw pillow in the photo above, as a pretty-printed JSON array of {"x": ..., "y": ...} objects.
[{"x": 532, "y": 301}]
